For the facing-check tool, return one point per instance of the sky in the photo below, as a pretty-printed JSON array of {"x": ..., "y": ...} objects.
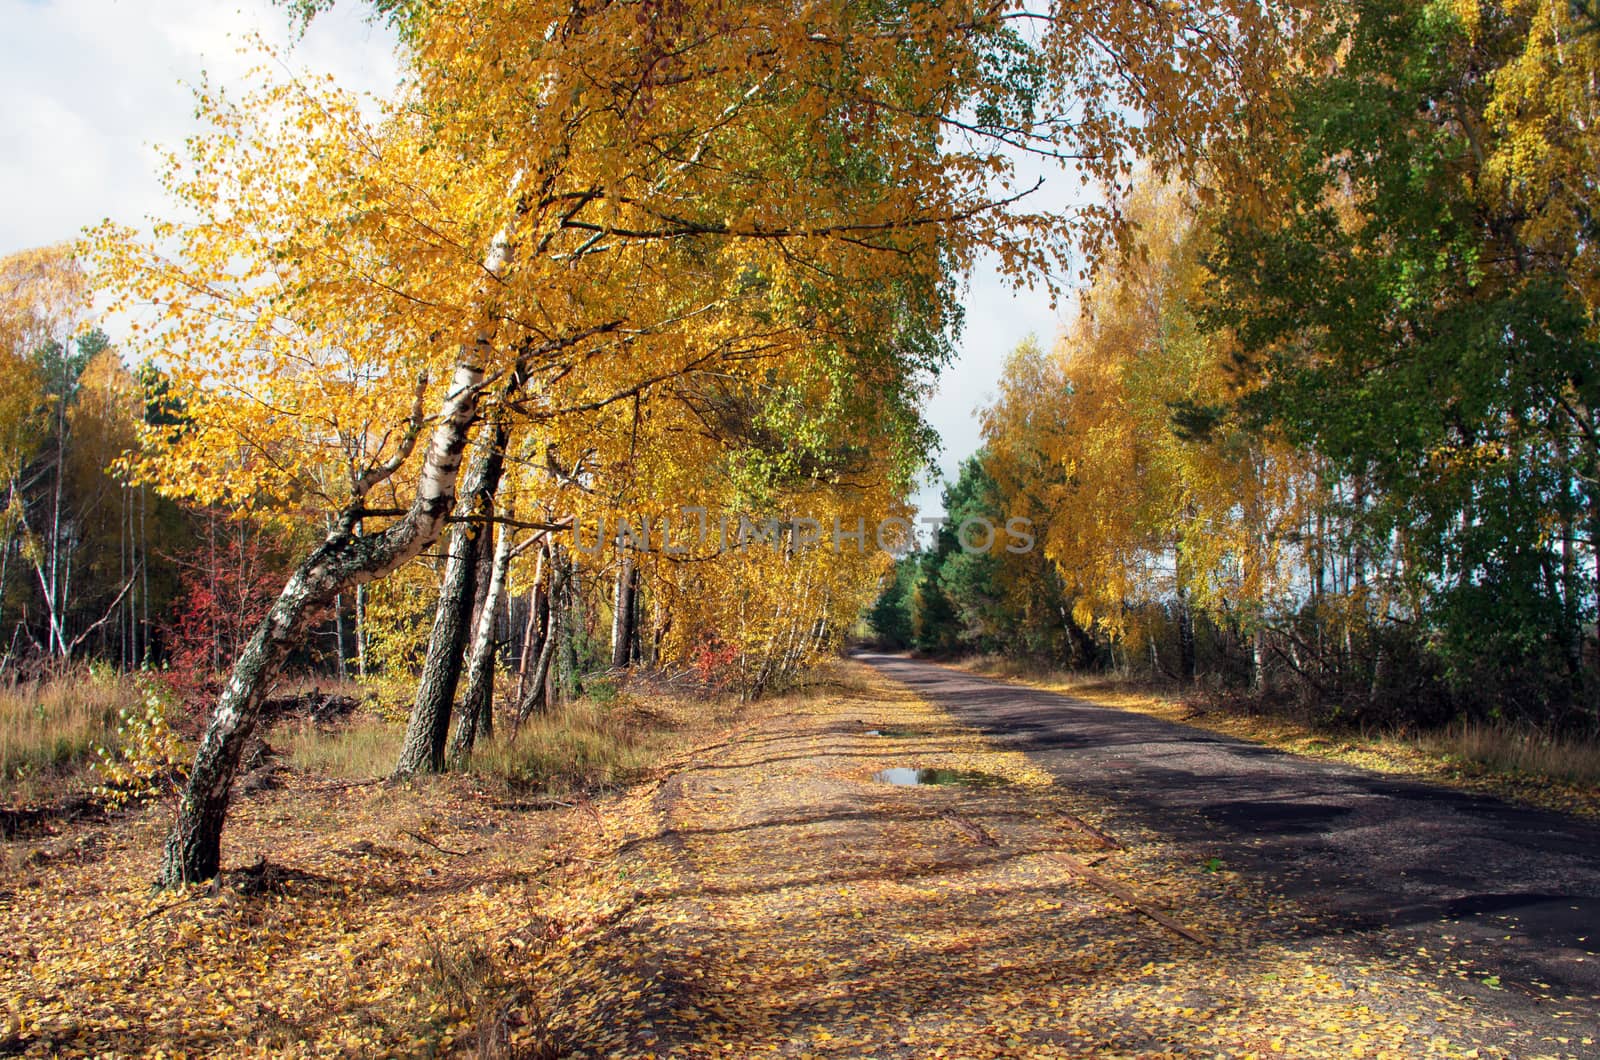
[{"x": 92, "y": 87}]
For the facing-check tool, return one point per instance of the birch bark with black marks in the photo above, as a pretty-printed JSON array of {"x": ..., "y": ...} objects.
[
  {"x": 551, "y": 656},
  {"x": 193, "y": 848},
  {"x": 344, "y": 560},
  {"x": 477, "y": 706},
  {"x": 541, "y": 645},
  {"x": 533, "y": 631},
  {"x": 622, "y": 621},
  {"x": 429, "y": 726}
]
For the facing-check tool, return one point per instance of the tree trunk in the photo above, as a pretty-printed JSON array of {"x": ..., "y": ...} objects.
[
  {"x": 539, "y": 684},
  {"x": 423, "y": 751},
  {"x": 144, "y": 577},
  {"x": 1081, "y": 651},
  {"x": 1258, "y": 660},
  {"x": 560, "y": 635},
  {"x": 660, "y": 629},
  {"x": 361, "y": 632},
  {"x": 53, "y": 601},
  {"x": 1185, "y": 617},
  {"x": 193, "y": 847},
  {"x": 338, "y": 635},
  {"x": 533, "y": 631},
  {"x": 483, "y": 562},
  {"x": 477, "y": 706},
  {"x": 622, "y": 613}
]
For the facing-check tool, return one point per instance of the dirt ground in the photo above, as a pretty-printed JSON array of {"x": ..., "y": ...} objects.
[
  {"x": 775, "y": 898},
  {"x": 764, "y": 894}
]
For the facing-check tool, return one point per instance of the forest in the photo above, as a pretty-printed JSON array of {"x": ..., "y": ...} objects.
[
  {"x": 1323, "y": 434},
  {"x": 402, "y": 532}
]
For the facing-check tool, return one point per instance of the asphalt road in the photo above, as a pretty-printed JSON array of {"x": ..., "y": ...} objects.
[{"x": 1384, "y": 862}]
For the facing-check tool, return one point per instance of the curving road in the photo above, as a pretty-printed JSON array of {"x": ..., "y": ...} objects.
[{"x": 1388, "y": 862}]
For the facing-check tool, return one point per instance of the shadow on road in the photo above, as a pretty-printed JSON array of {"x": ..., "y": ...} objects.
[{"x": 1513, "y": 889}]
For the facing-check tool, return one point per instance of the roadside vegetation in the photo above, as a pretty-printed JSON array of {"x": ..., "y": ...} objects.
[
  {"x": 454, "y": 916},
  {"x": 432, "y": 900},
  {"x": 1520, "y": 764},
  {"x": 448, "y": 468},
  {"x": 83, "y": 740},
  {"x": 1321, "y": 447}
]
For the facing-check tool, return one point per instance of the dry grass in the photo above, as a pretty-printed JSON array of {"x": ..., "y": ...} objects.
[
  {"x": 1523, "y": 752},
  {"x": 587, "y": 744},
  {"x": 576, "y": 747},
  {"x": 590, "y": 743},
  {"x": 363, "y": 919},
  {"x": 364, "y": 747},
  {"x": 581, "y": 745},
  {"x": 49, "y": 729}
]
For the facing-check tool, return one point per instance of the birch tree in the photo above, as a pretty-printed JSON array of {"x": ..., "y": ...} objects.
[{"x": 601, "y": 199}]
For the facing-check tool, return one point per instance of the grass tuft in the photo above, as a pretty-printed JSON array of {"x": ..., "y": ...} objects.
[
  {"x": 362, "y": 748},
  {"x": 581, "y": 744},
  {"x": 49, "y": 729}
]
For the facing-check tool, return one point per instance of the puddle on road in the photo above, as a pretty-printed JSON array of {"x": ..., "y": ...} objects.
[
  {"x": 897, "y": 734},
  {"x": 905, "y": 776}
]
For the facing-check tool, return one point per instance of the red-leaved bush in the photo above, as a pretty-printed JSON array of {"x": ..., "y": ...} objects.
[
  {"x": 226, "y": 587},
  {"x": 715, "y": 663}
]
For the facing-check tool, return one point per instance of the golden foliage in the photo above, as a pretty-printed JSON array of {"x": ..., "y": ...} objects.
[{"x": 1133, "y": 507}]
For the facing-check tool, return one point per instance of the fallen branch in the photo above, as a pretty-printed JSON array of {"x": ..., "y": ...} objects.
[
  {"x": 210, "y": 891},
  {"x": 1123, "y": 894},
  {"x": 419, "y": 837},
  {"x": 173, "y": 905},
  {"x": 1085, "y": 829},
  {"x": 971, "y": 828},
  {"x": 343, "y": 785}
]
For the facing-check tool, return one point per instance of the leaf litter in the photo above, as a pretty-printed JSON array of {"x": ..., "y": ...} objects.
[{"x": 761, "y": 895}]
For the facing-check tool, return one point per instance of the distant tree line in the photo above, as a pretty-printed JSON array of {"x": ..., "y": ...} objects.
[{"x": 1326, "y": 432}]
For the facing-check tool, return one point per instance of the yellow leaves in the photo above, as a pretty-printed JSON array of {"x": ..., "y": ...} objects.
[
  {"x": 1085, "y": 436},
  {"x": 44, "y": 298},
  {"x": 149, "y": 755},
  {"x": 743, "y": 939},
  {"x": 1541, "y": 136}
]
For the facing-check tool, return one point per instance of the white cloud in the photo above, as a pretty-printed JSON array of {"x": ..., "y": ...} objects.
[
  {"x": 997, "y": 320},
  {"x": 92, "y": 85}
]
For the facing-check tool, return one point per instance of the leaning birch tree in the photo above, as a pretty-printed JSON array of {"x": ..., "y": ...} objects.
[{"x": 593, "y": 200}]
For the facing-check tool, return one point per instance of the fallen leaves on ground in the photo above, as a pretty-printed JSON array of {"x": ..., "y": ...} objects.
[
  {"x": 763, "y": 895},
  {"x": 784, "y": 902}
]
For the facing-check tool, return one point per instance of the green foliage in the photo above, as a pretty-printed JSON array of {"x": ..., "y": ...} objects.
[
  {"x": 949, "y": 599},
  {"x": 890, "y": 615},
  {"x": 1393, "y": 321},
  {"x": 149, "y": 757},
  {"x": 933, "y": 617},
  {"x": 970, "y": 580}
]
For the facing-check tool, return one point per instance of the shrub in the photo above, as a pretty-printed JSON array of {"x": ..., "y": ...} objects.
[{"x": 147, "y": 756}]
